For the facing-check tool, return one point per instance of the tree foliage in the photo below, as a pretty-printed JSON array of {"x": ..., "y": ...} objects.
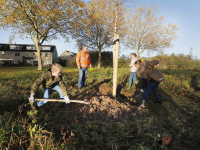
[
  {"x": 95, "y": 28},
  {"x": 147, "y": 30},
  {"x": 39, "y": 20}
]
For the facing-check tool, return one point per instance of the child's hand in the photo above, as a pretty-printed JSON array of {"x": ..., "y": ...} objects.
[
  {"x": 67, "y": 100},
  {"x": 31, "y": 98}
]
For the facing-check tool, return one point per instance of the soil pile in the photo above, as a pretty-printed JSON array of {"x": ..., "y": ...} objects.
[
  {"x": 107, "y": 109},
  {"x": 105, "y": 89}
]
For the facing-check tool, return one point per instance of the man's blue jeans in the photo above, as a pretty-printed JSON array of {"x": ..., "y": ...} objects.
[
  {"x": 82, "y": 77},
  {"x": 132, "y": 78},
  {"x": 152, "y": 87},
  {"x": 46, "y": 95}
]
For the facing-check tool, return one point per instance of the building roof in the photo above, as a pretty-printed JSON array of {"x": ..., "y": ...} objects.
[
  {"x": 25, "y": 47},
  {"x": 71, "y": 53}
]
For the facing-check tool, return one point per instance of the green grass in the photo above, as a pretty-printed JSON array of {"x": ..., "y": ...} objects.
[{"x": 177, "y": 116}]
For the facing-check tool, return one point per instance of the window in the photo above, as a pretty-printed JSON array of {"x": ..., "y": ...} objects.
[
  {"x": 30, "y": 48},
  {"x": 14, "y": 47},
  {"x": 41, "y": 48},
  {"x": 47, "y": 54},
  {"x": 45, "y": 48},
  {"x": 33, "y": 53},
  {"x": 17, "y": 54},
  {"x": 2, "y": 52},
  {"x": 48, "y": 62},
  {"x": 0, "y": 46},
  {"x": 27, "y": 54}
]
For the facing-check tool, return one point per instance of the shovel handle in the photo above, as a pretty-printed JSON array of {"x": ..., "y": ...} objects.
[{"x": 59, "y": 100}]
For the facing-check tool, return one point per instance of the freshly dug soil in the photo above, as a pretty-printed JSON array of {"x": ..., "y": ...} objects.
[
  {"x": 107, "y": 109},
  {"x": 105, "y": 89}
]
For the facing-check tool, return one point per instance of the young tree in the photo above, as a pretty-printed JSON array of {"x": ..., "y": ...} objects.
[
  {"x": 96, "y": 26},
  {"x": 147, "y": 31},
  {"x": 39, "y": 20}
]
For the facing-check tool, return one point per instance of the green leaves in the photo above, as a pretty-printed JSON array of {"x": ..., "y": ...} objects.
[{"x": 32, "y": 130}]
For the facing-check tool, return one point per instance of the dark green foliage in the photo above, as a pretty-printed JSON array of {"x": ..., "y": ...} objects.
[
  {"x": 72, "y": 63},
  {"x": 195, "y": 81},
  {"x": 106, "y": 58}
]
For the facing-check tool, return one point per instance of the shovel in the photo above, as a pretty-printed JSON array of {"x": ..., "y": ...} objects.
[
  {"x": 120, "y": 86},
  {"x": 59, "y": 100}
]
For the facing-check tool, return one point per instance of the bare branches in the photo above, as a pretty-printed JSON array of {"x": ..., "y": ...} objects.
[{"x": 147, "y": 31}]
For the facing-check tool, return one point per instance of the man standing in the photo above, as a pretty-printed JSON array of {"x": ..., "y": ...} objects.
[{"x": 83, "y": 61}]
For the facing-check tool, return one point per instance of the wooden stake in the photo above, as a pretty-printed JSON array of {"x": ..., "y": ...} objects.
[
  {"x": 115, "y": 66},
  {"x": 59, "y": 100}
]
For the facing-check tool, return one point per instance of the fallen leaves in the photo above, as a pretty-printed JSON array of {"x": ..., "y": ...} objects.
[{"x": 166, "y": 140}]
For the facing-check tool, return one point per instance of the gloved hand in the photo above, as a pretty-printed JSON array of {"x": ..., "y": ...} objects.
[
  {"x": 67, "y": 100},
  {"x": 31, "y": 98},
  {"x": 142, "y": 90}
]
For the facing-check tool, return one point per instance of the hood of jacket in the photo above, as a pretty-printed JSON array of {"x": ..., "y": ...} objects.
[{"x": 142, "y": 67}]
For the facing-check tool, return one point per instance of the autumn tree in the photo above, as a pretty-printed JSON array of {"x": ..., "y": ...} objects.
[
  {"x": 95, "y": 27},
  {"x": 147, "y": 30},
  {"x": 39, "y": 20}
]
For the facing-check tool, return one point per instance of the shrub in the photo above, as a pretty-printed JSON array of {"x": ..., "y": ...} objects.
[
  {"x": 195, "y": 81},
  {"x": 72, "y": 63}
]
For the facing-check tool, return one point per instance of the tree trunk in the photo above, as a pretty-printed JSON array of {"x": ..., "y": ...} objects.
[
  {"x": 38, "y": 53},
  {"x": 99, "y": 60},
  {"x": 138, "y": 54}
]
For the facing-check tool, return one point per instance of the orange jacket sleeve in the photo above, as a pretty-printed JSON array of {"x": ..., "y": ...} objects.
[{"x": 78, "y": 59}]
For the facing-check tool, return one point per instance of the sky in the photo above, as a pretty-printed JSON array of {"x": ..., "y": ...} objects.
[{"x": 183, "y": 13}]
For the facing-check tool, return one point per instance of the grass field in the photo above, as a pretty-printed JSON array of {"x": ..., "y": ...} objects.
[{"x": 55, "y": 128}]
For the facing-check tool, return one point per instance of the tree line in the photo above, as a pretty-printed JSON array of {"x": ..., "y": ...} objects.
[{"x": 91, "y": 24}]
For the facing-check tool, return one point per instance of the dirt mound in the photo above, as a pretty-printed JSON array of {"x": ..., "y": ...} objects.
[
  {"x": 105, "y": 89},
  {"x": 106, "y": 109},
  {"x": 127, "y": 93}
]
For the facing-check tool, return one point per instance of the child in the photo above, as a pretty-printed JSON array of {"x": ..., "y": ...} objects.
[
  {"x": 151, "y": 77},
  {"x": 133, "y": 70},
  {"x": 50, "y": 79}
]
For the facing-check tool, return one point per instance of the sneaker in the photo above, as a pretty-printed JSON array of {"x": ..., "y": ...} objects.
[
  {"x": 159, "y": 102},
  {"x": 143, "y": 104}
]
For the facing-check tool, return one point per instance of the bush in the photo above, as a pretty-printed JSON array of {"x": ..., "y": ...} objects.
[
  {"x": 195, "y": 81},
  {"x": 106, "y": 58},
  {"x": 72, "y": 63}
]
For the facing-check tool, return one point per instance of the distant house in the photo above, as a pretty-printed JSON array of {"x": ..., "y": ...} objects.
[
  {"x": 66, "y": 56},
  {"x": 22, "y": 53}
]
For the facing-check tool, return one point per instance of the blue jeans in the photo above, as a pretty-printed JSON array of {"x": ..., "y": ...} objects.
[
  {"x": 46, "y": 95},
  {"x": 152, "y": 87},
  {"x": 132, "y": 78},
  {"x": 82, "y": 77}
]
